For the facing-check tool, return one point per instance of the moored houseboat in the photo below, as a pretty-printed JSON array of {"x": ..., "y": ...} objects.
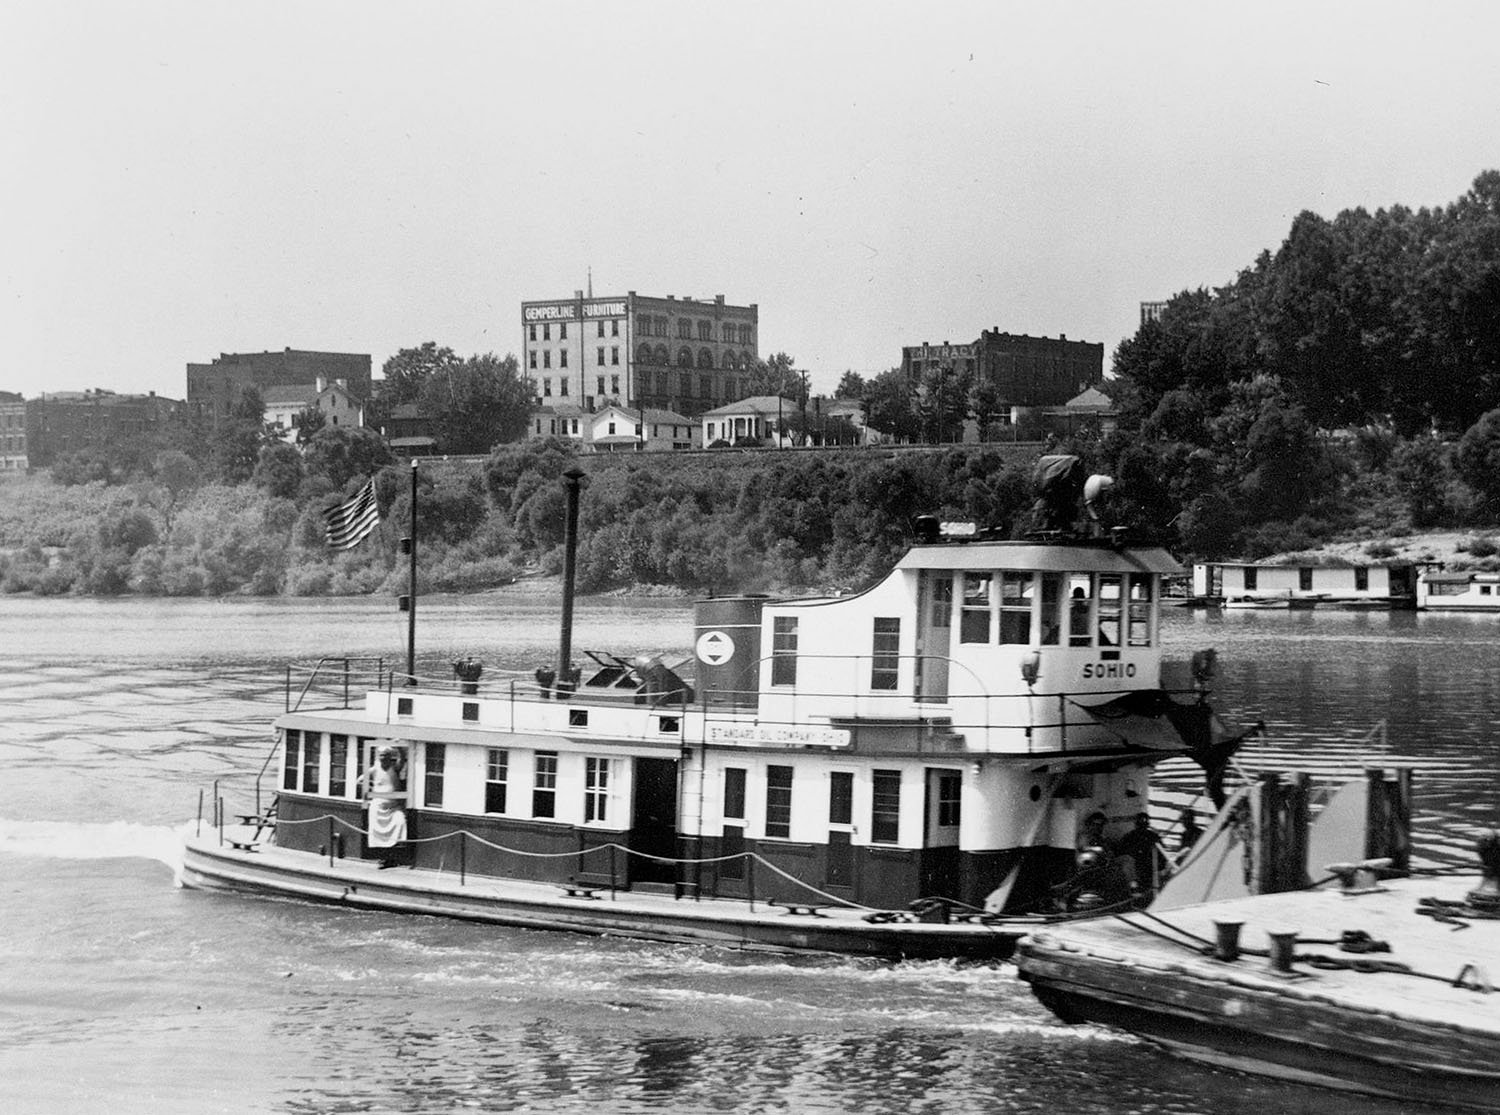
[
  {"x": 1460, "y": 591},
  {"x": 1342, "y": 586},
  {"x": 903, "y": 771}
]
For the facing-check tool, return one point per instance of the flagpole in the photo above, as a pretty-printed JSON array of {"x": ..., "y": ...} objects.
[{"x": 411, "y": 614}]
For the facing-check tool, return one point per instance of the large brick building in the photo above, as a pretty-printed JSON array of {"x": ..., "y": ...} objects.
[
  {"x": 1028, "y": 371},
  {"x": 12, "y": 432},
  {"x": 63, "y": 422},
  {"x": 214, "y": 388},
  {"x": 679, "y": 354}
]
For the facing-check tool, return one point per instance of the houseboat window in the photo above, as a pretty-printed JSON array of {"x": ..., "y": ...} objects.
[
  {"x": 1016, "y": 590},
  {"x": 841, "y": 798},
  {"x": 1304, "y": 579},
  {"x": 942, "y": 602},
  {"x": 974, "y": 619},
  {"x": 778, "y": 802},
  {"x": 784, "y": 650},
  {"x": 1080, "y": 604},
  {"x": 1051, "y": 607},
  {"x": 1109, "y": 609},
  {"x": 433, "y": 770},
  {"x": 595, "y": 788},
  {"x": 496, "y": 778},
  {"x": 1361, "y": 579},
  {"x": 885, "y": 663},
  {"x": 885, "y": 808},
  {"x": 338, "y": 766},
  {"x": 1140, "y": 610},
  {"x": 544, "y": 785},
  {"x": 949, "y": 793},
  {"x": 293, "y": 750},
  {"x": 734, "y": 793},
  {"x": 310, "y": 756},
  {"x": 1250, "y": 578}
]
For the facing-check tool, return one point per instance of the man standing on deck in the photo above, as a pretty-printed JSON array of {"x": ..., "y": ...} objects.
[{"x": 385, "y": 790}]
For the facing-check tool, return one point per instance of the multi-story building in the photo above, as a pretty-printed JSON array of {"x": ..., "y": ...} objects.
[
  {"x": 1027, "y": 371},
  {"x": 683, "y": 355},
  {"x": 12, "y": 432},
  {"x": 63, "y": 422},
  {"x": 214, "y": 388},
  {"x": 614, "y": 429}
]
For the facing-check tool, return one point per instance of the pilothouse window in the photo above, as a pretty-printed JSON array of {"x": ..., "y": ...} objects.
[
  {"x": 885, "y": 666},
  {"x": 1015, "y": 608},
  {"x": 1080, "y": 604},
  {"x": 784, "y": 650},
  {"x": 1109, "y": 609},
  {"x": 974, "y": 619},
  {"x": 1140, "y": 611}
]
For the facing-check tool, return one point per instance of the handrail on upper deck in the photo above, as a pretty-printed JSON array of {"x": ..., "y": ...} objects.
[{"x": 316, "y": 669}]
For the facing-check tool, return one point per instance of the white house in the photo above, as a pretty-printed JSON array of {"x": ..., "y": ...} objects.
[
  {"x": 615, "y": 429},
  {"x": 284, "y": 404},
  {"x": 756, "y": 417}
]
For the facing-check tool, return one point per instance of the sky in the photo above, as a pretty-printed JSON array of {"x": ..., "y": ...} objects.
[{"x": 184, "y": 179}]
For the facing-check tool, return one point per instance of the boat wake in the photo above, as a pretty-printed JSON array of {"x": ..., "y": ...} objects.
[{"x": 84, "y": 841}]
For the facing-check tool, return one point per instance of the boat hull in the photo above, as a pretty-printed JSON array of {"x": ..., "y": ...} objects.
[{"x": 730, "y": 923}]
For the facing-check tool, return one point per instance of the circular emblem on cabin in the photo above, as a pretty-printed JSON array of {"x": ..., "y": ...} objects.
[{"x": 715, "y": 648}]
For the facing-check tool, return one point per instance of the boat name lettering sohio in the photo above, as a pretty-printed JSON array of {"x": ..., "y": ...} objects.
[
  {"x": 769, "y": 733},
  {"x": 1109, "y": 670}
]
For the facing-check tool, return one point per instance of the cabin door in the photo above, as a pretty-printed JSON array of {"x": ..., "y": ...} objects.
[
  {"x": 934, "y": 635},
  {"x": 940, "y": 866},
  {"x": 653, "y": 829}
]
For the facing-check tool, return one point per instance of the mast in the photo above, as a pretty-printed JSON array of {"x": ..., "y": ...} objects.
[{"x": 411, "y": 585}]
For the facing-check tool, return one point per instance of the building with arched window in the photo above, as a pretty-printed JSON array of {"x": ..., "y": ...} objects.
[{"x": 684, "y": 355}]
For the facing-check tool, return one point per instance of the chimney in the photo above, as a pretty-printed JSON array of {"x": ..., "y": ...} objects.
[{"x": 321, "y": 383}]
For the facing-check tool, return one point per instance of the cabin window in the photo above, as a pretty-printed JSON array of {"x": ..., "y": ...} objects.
[
  {"x": 1304, "y": 579},
  {"x": 338, "y": 766},
  {"x": 950, "y": 786},
  {"x": 595, "y": 789},
  {"x": 544, "y": 785},
  {"x": 734, "y": 793},
  {"x": 310, "y": 748},
  {"x": 432, "y": 775},
  {"x": 1080, "y": 605},
  {"x": 496, "y": 779},
  {"x": 293, "y": 749},
  {"x": 1140, "y": 611},
  {"x": 885, "y": 665},
  {"x": 784, "y": 650},
  {"x": 885, "y": 807},
  {"x": 1016, "y": 590},
  {"x": 1109, "y": 609},
  {"x": 403, "y": 706},
  {"x": 1051, "y": 607},
  {"x": 778, "y": 802},
  {"x": 974, "y": 618},
  {"x": 1250, "y": 578},
  {"x": 1361, "y": 579},
  {"x": 841, "y": 798}
]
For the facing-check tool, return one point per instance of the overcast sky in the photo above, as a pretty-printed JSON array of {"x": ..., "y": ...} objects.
[{"x": 185, "y": 179}]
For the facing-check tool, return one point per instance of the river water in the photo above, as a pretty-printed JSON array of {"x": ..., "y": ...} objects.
[{"x": 121, "y": 992}]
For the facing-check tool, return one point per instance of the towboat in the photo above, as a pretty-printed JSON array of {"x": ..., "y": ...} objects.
[
  {"x": 1309, "y": 952},
  {"x": 905, "y": 771}
]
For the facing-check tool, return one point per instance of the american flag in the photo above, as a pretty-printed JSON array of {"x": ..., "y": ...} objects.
[{"x": 346, "y": 525}]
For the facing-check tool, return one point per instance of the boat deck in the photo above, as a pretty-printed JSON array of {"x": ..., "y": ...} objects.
[
  {"x": 1372, "y": 1019},
  {"x": 787, "y": 922}
]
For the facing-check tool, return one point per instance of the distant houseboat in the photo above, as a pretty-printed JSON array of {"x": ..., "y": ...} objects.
[
  {"x": 1251, "y": 585},
  {"x": 1468, "y": 591}
]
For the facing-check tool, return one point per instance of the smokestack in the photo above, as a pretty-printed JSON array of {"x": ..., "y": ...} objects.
[{"x": 572, "y": 482}]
